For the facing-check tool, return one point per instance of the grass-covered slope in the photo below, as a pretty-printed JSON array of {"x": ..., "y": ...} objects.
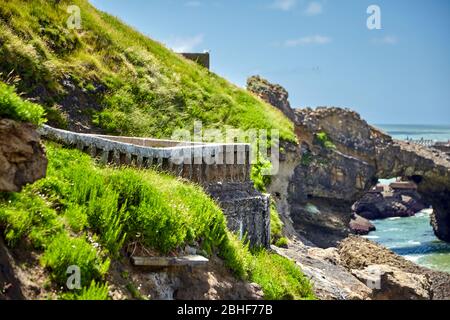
[
  {"x": 110, "y": 76},
  {"x": 14, "y": 107},
  {"x": 84, "y": 214}
]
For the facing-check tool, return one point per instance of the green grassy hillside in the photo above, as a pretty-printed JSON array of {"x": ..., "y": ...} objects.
[
  {"x": 109, "y": 77},
  {"x": 85, "y": 214},
  {"x": 14, "y": 107}
]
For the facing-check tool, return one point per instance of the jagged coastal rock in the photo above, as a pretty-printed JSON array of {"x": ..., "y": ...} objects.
[
  {"x": 389, "y": 203},
  {"x": 398, "y": 278},
  {"x": 339, "y": 158},
  {"x": 359, "y": 269},
  {"x": 344, "y": 157},
  {"x": 274, "y": 94},
  {"x": 360, "y": 225},
  {"x": 22, "y": 156}
]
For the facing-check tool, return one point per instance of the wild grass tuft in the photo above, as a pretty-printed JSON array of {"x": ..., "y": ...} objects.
[
  {"x": 14, "y": 107},
  {"x": 276, "y": 225},
  {"x": 64, "y": 251},
  {"x": 95, "y": 291},
  {"x": 279, "y": 277}
]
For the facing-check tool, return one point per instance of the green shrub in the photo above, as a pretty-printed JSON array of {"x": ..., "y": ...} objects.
[
  {"x": 236, "y": 255},
  {"x": 27, "y": 215},
  {"x": 76, "y": 217},
  {"x": 14, "y": 107},
  {"x": 65, "y": 251},
  {"x": 276, "y": 225},
  {"x": 279, "y": 277},
  {"x": 282, "y": 242},
  {"x": 325, "y": 141},
  {"x": 259, "y": 173},
  {"x": 93, "y": 292}
]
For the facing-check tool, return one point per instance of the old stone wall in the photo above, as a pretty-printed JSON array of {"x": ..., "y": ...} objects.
[
  {"x": 222, "y": 169},
  {"x": 201, "y": 163},
  {"x": 247, "y": 210}
]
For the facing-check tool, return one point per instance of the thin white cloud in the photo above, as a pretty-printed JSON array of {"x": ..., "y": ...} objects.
[
  {"x": 309, "y": 40},
  {"x": 193, "y": 3},
  {"x": 284, "y": 5},
  {"x": 390, "y": 40},
  {"x": 185, "y": 44},
  {"x": 314, "y": 8}
]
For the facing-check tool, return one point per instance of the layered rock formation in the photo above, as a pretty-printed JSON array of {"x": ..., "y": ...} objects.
[
  {"x": 22, "y": 156},
  {"x": 338, "y": 159},
  {"x": 395, "y": 277},
  {"x": 353, "y": 158}
]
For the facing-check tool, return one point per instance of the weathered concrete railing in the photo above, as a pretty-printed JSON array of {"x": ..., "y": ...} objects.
[
  {"x": 199, "y": 162},
  {"x": 222, "y": 169}
]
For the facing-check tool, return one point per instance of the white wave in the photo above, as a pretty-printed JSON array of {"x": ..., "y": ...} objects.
[
  {"x": 413, "y": 257},
  {"x": 393, "y": 218},
  {"x": 415, "y": 243},
  {"x": 426, "y": 212},
  {"x": 371, "y": 237}
]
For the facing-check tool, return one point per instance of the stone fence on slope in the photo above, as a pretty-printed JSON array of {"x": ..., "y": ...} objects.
[
  {"x": 222, "y": 169},
  {"x": 202, "y": 163}
]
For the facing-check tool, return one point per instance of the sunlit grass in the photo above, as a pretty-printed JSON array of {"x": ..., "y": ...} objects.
[{"x": 148, "y": 89}]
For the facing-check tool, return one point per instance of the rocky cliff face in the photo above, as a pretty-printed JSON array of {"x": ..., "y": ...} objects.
[
  {"x": 344, "y": 157},
  {"x": 338, "y": 159},
  {"x": 22, "y": 156}
]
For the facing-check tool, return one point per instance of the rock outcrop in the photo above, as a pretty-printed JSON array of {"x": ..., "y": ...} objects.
[
  {"x": 341, "y": 158},
  {"x": 390, "y": 283},
  {"x": 360, "y": 225},
  {"x": 382, "y": 205},
  {"x": 274, "y": 94},
  {"x": 359, "y": 269},
  {"x": 22, "y": 156},
  {"x": 330, "y": 279},
  {"x": 398, "y": 277}
]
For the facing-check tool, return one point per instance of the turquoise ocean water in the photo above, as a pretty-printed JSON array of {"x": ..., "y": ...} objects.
[{"x": 413, "y": 237}]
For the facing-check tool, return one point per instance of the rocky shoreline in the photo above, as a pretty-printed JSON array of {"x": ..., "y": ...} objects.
[
  {"x": 326, "y": 190},
  {"x": 338, "y": 159},
  {"x": 359, "y": 269}
]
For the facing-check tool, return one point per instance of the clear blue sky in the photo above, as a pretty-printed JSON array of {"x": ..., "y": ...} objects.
[{"x": 321, "y": 51}]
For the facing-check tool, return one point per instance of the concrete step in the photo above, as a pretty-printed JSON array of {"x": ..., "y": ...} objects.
[{"x": 189, "y": 260}]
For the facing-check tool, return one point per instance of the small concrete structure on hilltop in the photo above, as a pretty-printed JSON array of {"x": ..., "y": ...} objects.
[{"x": 202, "y": 59}]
